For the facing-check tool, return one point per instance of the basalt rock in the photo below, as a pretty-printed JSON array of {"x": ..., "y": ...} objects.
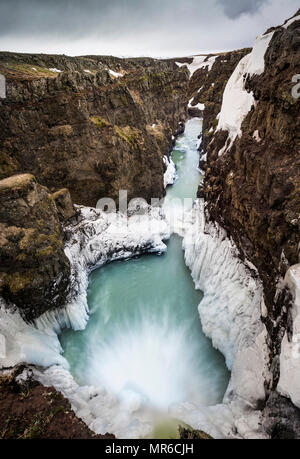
[
  {"x": 93, "y": 125},
  {"x": 34, "y": 270}
]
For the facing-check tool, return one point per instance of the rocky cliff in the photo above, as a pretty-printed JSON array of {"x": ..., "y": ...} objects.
[
  {"x": 34, "y": 270},
  {"x": 251, "y": 148},
  {"x": 94, "y": 125}
]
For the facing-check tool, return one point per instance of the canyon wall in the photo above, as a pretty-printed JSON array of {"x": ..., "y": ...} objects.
[
  {"x": 86, "y": 127},
  {"x": 250, "y": 152},
  {"x": 34, "y": 270},
  {"x": 94, "y": 125}
]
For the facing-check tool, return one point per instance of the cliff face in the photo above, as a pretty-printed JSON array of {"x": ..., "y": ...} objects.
[
  {"x": 34, "y": 270},
  {"x": 252, "y": 179},
  {"x": 94, "y": 125}
]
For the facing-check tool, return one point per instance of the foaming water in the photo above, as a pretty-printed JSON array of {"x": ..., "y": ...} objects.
[{"x": 144, "y": 342}]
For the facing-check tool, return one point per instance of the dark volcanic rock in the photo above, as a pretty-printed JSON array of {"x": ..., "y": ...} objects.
[
  {"x": 86, "y": 130},
  {"x": 34, "y": 270}
]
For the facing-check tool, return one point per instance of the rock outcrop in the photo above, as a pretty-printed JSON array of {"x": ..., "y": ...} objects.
[
  {"x": 94, "y": 125},
  {"x": 34, "y": 270}
]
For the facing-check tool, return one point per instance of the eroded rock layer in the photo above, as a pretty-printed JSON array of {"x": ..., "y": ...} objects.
[{"x": 93, "y": 125}]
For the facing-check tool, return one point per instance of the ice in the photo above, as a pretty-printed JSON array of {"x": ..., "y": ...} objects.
[
  {"x": 171, "y": 173},
  {"x": 289, "y": 384}
]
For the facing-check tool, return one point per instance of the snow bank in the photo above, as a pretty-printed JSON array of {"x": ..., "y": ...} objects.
[
  {"x": 289, "y": 384},
  {"x": 199, "y": 62},
  {"x": 237, "y": 102},
  {"x": 170, "y": 175}
]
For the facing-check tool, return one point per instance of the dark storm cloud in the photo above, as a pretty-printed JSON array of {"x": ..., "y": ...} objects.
[
  {"x": 234, "y": 8},
  {"x": 135, "y": 27}
]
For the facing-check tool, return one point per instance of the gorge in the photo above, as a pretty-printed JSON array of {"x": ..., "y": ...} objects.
[{"x": 87, "y": 305}]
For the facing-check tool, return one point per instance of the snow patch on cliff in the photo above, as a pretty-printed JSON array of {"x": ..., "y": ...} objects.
[
  {"x": 237, "y": 102},
  {"x": 199, "y": 62},
  {"x": 291, "y": 21},
  {"x": 199, "y": 106}
]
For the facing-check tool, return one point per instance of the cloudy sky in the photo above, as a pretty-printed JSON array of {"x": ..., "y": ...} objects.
[{"x": 137, "y": 27}]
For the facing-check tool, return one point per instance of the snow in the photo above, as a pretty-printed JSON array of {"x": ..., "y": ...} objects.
[
  {"x": 256, "y": 65},
  {"x": 237, "y": 102},
  {"x": 115, "y": 74},
  {"x": 291, "y": 21},
  {"x": 199, "y": 106},
  {"x": 199, "y": 62},
  {"x": 289, "y": 384},
  {"x": 87, "y": 71},
  {"x": 55, "y": 70},
  {"x": 33, "y": 68},
  {"x": 170, "y": 175},
  {"x": 256, "y": 136}
]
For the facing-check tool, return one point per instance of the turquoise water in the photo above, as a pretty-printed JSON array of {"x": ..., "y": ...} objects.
[{"x": 144, "y": 340}]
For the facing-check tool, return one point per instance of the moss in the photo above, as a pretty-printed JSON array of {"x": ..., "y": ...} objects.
[
  {"x": 127, "y": 133},
  {"x": 46, "y": 252},
  {"x": 99, "y": 122},
  {"x": 124, "y": 100},
  {"x": 19, "y": 281},
  {"x": 15, "y": 70}
]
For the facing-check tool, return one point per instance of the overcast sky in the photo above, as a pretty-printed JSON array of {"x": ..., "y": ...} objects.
[{"x": 137, "y": 27}]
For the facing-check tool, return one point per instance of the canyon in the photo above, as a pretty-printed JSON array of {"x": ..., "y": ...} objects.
[{"x": 75, "y": 130}]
